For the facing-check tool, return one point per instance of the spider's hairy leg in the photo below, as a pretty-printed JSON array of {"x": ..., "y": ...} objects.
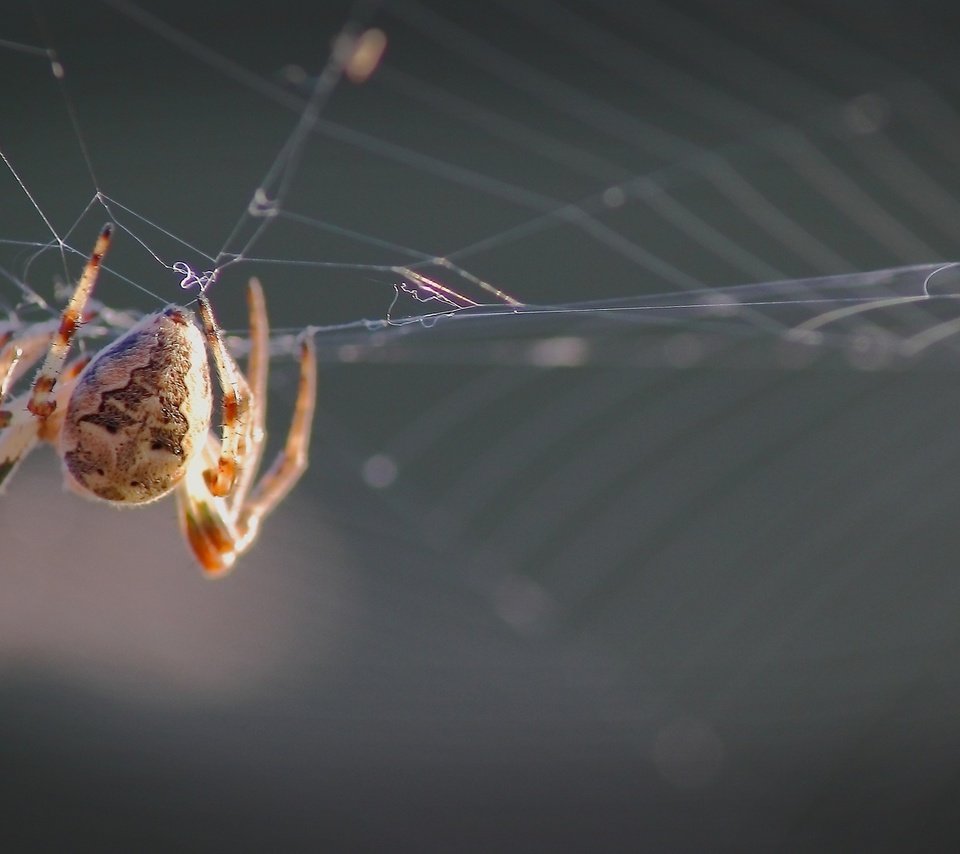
[
  {"x": 17, "y": 438},
  {"x": 43, "y": 400},
  {"x": 258, "y": 364},
  {"x": 9, "y": 359},
  {"x": 21, "y": 351},
  {"x": 205, "y": 521},
  {"x": 16, "y": 356},
  {"x": 219, "y": 530},
  {"x": 292, "y": 461},
  {"x": 20, "y": 430},
  {"x": 236, "y": 408}
]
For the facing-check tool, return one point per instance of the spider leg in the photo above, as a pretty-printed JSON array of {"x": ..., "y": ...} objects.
[
  {"x": 17, "y": 439},
  {"x": 291, "y": 462},
  {"x": 43, "y": 399},
  {"x": 17, "y": 357},
  {"x": 20, "y": 430},
  {"x": 205, "y": 519},
  {"x": 221, "y": 477},
  {"x": 10, "y": 357},
  {"x": 258, "y": 363},
  {"x": 32, "y": 344},
  {"x": 216, "y": 530}
]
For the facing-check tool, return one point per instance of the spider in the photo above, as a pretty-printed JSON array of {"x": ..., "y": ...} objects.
[{"x": 132, "y": 423}]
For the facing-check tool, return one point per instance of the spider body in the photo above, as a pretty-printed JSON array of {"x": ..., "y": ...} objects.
[
  {"x": 132, "y": 424},
  {"x": 125, "y": 437}
]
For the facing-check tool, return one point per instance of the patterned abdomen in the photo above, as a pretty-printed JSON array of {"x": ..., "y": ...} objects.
[{"x": 139, "y": 411}]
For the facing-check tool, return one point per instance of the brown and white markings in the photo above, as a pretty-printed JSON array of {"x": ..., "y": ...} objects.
[{"x": 132, "y": 423}]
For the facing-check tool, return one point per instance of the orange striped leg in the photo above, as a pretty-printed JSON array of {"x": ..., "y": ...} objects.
[
  {"x": 292, "y": 461},
  {"x": 205, "y": 520},
  {"x": 18, "y": 428},
  {"x": 21, "y": 429},
  {"x": 9, "y": 359},
  {"x": 218, "y": 530},
  {"x": 236, "y": 408},
  {"x": 42, "y": 400},
  {"x": 258, "y": 364}
]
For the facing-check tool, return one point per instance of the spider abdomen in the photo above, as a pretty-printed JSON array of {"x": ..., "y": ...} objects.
[{"x": 139, "y": 411}]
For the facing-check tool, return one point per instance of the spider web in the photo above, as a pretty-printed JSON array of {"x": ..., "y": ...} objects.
[
  {"x": 580, "y": 211},
  {"x": 698, "y": 461}
]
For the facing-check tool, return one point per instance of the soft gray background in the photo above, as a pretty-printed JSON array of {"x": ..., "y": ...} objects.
[{"x": 653, "y": 602}]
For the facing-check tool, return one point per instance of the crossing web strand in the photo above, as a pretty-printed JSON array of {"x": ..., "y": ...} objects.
[{"x": 403, "y": 163}]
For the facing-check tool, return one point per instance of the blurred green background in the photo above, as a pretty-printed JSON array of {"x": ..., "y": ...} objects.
[{"x": 583, "y": 584}]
